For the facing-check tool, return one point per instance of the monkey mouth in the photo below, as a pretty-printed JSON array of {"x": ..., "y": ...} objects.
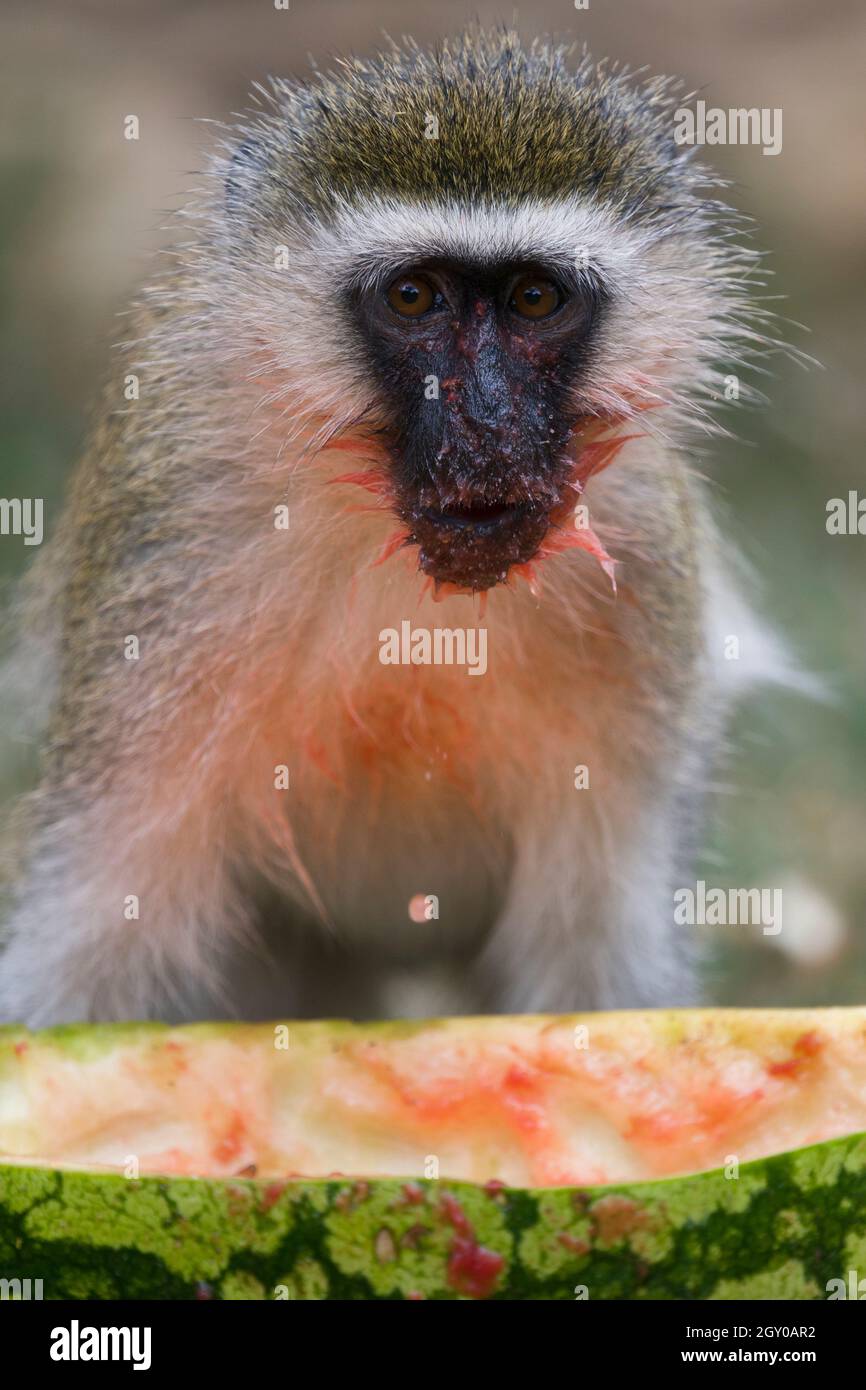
[
  {"x": 474, "y": 545},
  {"x": 482, "y": 516},
  {"x": 471, "y": 541}
]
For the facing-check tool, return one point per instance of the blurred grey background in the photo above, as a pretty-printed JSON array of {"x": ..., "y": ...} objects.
[{"x": 81, "y": 214}]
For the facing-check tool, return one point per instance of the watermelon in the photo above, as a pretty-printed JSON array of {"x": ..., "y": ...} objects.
[{"x": 700, "y": 1154}]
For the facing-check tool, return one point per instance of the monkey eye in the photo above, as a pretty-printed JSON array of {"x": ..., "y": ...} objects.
[
  {"x": 534, "y": 297},
  {"x": 410, "y": 296}
]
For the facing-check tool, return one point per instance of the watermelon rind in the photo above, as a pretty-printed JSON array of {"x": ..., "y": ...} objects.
[{"x": 783, "y": 1228}]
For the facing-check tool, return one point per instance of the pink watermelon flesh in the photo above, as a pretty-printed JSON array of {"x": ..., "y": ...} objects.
[{"x": 530, "y": 1101}]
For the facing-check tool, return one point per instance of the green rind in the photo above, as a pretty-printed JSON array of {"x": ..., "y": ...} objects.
[{"x": 782, "y": 1229}]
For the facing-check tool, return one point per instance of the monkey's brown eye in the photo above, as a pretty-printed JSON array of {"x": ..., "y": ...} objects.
[
  {"x": 411, "y": 296},
  {"x": 533, "y": 297}
]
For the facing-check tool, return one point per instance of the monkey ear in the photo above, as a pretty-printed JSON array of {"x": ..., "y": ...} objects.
[{"x": 244, "y": 173}]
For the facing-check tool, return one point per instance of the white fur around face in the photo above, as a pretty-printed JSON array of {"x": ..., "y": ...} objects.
[{"x": 368, "y": 242}]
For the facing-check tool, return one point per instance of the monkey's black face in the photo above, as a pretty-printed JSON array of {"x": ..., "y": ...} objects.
[{"x": 478, "y": 368}]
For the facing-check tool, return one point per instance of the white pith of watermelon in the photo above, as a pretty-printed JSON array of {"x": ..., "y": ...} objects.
[{"x": 514, "y": 1099}]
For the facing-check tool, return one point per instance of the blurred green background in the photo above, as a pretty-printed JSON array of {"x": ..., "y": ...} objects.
[{"x": 82, "y": 212}]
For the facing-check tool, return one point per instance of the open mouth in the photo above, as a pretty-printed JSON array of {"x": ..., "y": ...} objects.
[
  {"x": 474, "y": 545},
  {"x": 479, "y": 516}
]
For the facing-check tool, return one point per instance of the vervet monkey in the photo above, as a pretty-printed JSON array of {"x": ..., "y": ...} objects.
[{"x": 438, "y": 329}]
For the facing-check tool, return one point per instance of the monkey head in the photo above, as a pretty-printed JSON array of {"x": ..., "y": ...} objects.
[{"x": 486, "y": 253}]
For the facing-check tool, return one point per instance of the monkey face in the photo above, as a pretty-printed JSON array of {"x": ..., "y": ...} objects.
[
  {"x": 487, "y": 260},
  {"x": 477, "y": 366}
]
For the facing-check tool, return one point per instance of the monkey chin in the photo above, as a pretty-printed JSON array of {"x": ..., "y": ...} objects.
[{"x": 472, "y": 551}]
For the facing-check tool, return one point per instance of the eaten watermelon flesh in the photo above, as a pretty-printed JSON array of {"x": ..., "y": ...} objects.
[{"x": 524, "y": 1101}]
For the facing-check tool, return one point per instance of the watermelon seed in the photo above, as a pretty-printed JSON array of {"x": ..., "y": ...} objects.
[{"x": 384, "y": 1246}]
